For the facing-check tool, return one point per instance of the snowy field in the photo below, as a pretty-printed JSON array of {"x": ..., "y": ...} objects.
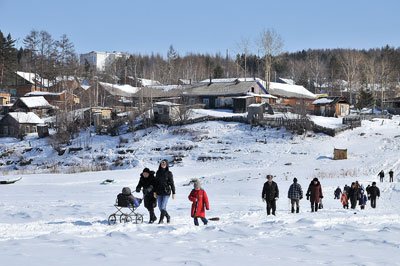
[{"x": 61, "y": 219}]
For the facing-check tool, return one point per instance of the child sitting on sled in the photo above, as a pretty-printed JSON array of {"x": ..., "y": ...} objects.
[{"x": 200, "y": 203}]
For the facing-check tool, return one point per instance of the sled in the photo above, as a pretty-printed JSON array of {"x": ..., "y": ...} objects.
[
  {"x": 9, "y": 181},
  {"x": 107, "y": 181}
]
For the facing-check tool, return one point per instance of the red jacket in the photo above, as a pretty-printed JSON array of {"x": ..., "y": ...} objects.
[{"x": 200, "y": 203}]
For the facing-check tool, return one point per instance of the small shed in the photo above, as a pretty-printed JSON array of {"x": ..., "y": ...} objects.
[
  {"x": 255, "y": 112},
  {"x": 166, "y": 112},
  {"x": 331, "y": 106},
  {"x": 339, "y": 154}
]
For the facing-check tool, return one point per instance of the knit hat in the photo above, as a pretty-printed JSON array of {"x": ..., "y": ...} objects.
[
  {"x": 295, "y": 180},
  {"x": 146, "y": 170},
  {"x": 196, "y": 183},
  {"x": 126, "y": 191},
  {"x": 315, "y": 179}
]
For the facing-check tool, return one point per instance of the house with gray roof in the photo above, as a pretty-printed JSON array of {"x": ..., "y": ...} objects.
[{"x": 18, "y": 124}]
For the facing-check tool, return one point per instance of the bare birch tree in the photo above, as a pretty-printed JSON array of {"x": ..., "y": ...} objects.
[{"x": 271, "y": 44}]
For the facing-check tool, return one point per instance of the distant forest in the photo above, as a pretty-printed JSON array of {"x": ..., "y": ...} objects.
[{"x": 319, "y": 70}]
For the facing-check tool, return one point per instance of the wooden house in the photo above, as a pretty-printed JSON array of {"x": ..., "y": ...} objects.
[
  {"x": 5, "y": 98},
  {"x": 295, "y": 96},
  {"x": 63, "y": 100},
  {"x": 331, "y": 106},
  {"x": 221, "y": 93},
  {"x": 25, "y": 82},
  {"x": 37, "y": 104},
  {"x": 18, "y": 124}
]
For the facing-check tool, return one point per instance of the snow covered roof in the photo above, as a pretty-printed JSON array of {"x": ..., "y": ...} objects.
[
  {"x": 224, "y": 80},
  {"x": 290, "y": 91},
  {"x": 234, "y": 87},
  {"x": 119, "y": 90},
  {"x": 262, "y": 95},
  {"x": 323, "y": 101},
  {"x": 287, "y": 81},
  {"x": 35, "y": 102},
  {"x": 166, "y": 103},
  {"x": 146, "y": 82},
  {"x": 167, "y": 87},
  {"x": 26, "y": 118},
  {"x": 34, "y": 78}
]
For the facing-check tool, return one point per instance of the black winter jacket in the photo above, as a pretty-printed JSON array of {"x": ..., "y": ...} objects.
[
  {"x": 374, "y": 192},
  {"x": 147, "y": 183},
  {"x": 270, "y": 191},
  {"x": 164, "y": 182}
]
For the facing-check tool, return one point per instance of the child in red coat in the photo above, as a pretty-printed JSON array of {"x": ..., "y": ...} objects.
[
  {"x": 200, "y": 203},
  {"x": 345, "y": 200}
]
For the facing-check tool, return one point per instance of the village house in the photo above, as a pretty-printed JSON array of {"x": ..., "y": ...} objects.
[
  {"x": 5, "y": 98},
  {"x": 295, "y": 96},
  {"x": 37, "y": 104},
  {"x": 235, "y": 94},
  {"x": 141, "y": 82},
  {"x": 62, "y": 100},
  {"x": 331, "y": 106},
  {"x": 107, "y": 95},
  {"x": 18, "y": 124},
  {"x": 20, "y": 83}
]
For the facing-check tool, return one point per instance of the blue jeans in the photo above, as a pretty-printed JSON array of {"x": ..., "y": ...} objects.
[
  {"x": 162, "y": 202},
  {"x": 196, "y": 221}
]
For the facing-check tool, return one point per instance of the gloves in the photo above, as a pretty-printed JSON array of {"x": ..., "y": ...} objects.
[
  {"x": 321, "y": 197},
  {"x": 173, "y": 196},
  {"x": 263, "y": 199},
  {"x": 276, "y": 198},
  {"x": 138, "y": 190},
  {"x": 301, "y": 197}
]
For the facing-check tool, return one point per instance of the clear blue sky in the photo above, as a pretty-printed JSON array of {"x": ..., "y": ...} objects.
[{"x": 205, "y": 26}]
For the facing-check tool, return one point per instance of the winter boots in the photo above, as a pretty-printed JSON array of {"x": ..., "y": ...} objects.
[
  {"x": 292, "y": 209},
  {"x": 297, "y": 209},
  {"x": 162, "y": 215},
  {"x": 166, "y": 215},
  {"x": 153, "y": 217}
]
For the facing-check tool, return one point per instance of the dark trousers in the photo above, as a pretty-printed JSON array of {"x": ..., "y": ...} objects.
[
  {"x": 336, "y": 197},
  {"x": 391, "y": 179},
  {"x": 373, "y": 202},
  {"x": 314, "y": 206},
  {"x": 271, "y": 205},
  {"x": 381, "y": 178},
  {"x": 150, "y": 203},
  {"x": 196, "y": 221},
  {"x": 295, "y": 202},
  {"x": 353, "y": 203}
]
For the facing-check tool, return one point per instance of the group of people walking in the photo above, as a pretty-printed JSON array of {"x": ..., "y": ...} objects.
[
  {"x": 270, "y": 194},
  {"x": 357, "y": 194},
  {"x": 353, "y": 194},
  {"x": 156, "y": 190},
  {"x": 158, "y": 187},
  {"x": 381, "y": 175}
]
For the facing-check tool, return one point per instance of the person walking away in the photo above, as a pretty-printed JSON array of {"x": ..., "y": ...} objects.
[
  {"x": 353, "y": 195},
  {"x": 200, "y": 204},
  {"x": 314, "y": 194},
  {"x": 295, "y": 194},
  {"x": 270, "y": 195},
  {"x": 363, "y": 199},
  {"x": 147, "y": 183},
  {"x": 391, "y": 175},
  {"x": 344, "y": 200},
  {"x": 346, "y": 189},
  {"x": 164, "y": 187},
  {"x": 374, "y": 193},
  {"x": 381, "y": 175},
  {"x": 337, "y": 193}
]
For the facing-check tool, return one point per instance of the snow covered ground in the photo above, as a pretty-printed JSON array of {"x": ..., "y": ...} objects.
[{"x": 61, "y": 219}]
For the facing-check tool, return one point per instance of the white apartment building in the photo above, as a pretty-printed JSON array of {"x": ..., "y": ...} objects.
[{"x": 100, "y": 59}]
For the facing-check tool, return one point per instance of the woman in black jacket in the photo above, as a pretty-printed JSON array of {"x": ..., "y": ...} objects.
[
  {"x": 164, "y": 187},
  {"x": 147, "y": 182}
]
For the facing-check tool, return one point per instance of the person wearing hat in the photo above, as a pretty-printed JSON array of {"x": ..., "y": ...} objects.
[
  {"x": 314, "y": 194},
  {"x": 270, "y": 195},
  {"x": 164, "y": 186},
  {"x": 147, "y": 184},
  {"x": 295, "y": 194},
  {"x": 374, "y": 193},
  {"x": 200, "y": 204}
]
